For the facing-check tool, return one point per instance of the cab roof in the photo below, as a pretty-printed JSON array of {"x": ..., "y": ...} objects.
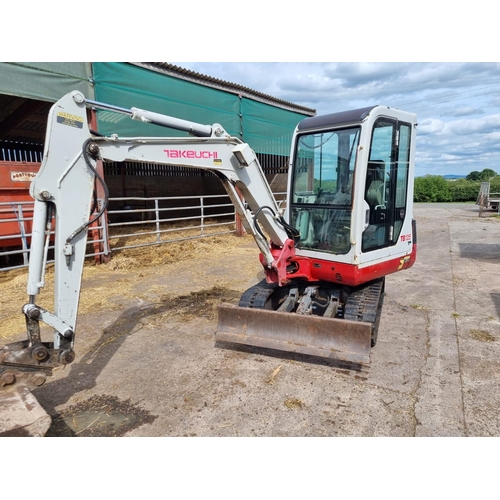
[{"x": 335, "y": 119}]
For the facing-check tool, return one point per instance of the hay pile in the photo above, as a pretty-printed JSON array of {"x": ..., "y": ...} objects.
[
  {"x": 107, "y": 286},
  {"x": 121, "y": 236},
  {"x": 168, "y": 251},
  {"x": 171, "y": 253}
]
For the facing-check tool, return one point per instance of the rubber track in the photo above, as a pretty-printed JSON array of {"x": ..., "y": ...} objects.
[
  {"x": 364, "y": 304},
  {"x": 257, "y": 295}
]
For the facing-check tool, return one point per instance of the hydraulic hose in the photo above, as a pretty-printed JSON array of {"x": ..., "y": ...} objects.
[
  {"x": 87, "y": 158},
  {"x": 291, "y": 232}
]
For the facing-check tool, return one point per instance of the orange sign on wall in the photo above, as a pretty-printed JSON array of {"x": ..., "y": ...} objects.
[{"x": 15, "y": 180}]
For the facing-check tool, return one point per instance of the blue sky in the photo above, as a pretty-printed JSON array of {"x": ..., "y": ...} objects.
[{"x": 457, "y": 103}]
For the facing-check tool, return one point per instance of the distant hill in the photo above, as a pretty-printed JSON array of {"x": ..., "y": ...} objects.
[{"x": 452, "y": 176}]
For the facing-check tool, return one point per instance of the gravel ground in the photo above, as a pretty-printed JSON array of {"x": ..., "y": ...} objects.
[{"x": 147, "y": 363}]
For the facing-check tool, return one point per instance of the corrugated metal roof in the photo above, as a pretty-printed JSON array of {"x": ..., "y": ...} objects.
[
  {"x": 209, "y": 81},
  {"x": 24, "y": 120}
]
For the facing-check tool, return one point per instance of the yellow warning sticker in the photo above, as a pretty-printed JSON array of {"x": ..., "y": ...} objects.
[
  {"x": 404, "y": 261},
  {"x": 69, "y": 119}
]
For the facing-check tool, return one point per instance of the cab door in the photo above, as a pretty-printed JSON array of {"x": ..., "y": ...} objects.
[{"x": 386, "y": 184}]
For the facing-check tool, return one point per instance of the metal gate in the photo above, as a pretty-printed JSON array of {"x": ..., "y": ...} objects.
[{"x": 155, "y": 224}]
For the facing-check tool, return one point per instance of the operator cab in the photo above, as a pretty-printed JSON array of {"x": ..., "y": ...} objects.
[{"x": 338, "y": 156}]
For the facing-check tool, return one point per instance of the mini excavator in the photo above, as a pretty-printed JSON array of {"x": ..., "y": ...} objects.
[{"x": 348, "y": 223}]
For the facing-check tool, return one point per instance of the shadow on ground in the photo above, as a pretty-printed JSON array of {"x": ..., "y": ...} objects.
[
  {"x": 486, "y": 252},
  {"x": 105, "y": 415}
]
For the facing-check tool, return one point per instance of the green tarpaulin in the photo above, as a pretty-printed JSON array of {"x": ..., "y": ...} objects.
[
  {"x": 45, "y": 81},
  {"x": 266, "y": 128}
]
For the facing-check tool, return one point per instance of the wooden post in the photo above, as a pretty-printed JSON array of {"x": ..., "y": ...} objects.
[
  {"x": 97, "y": 234},
  {"x": 240, "y": 230}
]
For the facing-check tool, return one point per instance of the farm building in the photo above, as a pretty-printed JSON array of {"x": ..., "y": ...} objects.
[{"x": 28, "y": 90}]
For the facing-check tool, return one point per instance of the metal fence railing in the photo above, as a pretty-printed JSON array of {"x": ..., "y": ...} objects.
[
  {"x": 281, "y": 199},
  {"x": 168, "y": 219},
  {"x": 133, "y": 222},
  {"x": 200, "y": 216},
  {"x": 13, "y": 220},
  {"x": 16, "y": 220}
]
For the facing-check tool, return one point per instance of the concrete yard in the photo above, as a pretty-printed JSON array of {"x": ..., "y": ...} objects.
[{"x": 149, "y": 366}]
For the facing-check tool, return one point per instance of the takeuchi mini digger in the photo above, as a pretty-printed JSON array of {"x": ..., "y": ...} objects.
[{"x": 348, "y": 223}]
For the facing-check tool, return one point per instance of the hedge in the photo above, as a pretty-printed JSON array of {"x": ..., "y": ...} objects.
[{"x": 435, "y": 188}]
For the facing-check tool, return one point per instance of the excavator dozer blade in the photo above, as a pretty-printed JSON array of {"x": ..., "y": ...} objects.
[
  {"x": 337, "y": 339},
  {"x": 21, "y": 414}
]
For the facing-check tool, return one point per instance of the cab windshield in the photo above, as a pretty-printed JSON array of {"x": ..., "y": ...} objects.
[{"x": 322, "y": 189}]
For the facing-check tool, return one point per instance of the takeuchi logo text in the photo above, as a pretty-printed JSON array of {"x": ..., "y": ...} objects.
[{"x": 190, "y": 153}]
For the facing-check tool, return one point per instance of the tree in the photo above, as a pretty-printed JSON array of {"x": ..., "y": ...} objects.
[
  {"x": 485, "y": 175},
  {"x": 473, "y": 176}
]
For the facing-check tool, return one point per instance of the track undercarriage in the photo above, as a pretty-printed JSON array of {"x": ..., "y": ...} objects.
[{"x": 334, "y": 322}]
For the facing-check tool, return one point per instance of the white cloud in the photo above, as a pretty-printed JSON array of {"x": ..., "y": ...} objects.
[
  {"x": 482, "y": 125},
  {"x": 431, "y": 126},
  {"x": 457, "y": 103},
  {"x": 461, "y": 111}
]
